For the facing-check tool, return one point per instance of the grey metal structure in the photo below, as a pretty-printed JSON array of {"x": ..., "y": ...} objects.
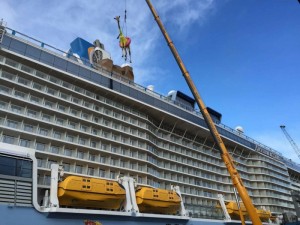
[{"x": 295, "y": 147}]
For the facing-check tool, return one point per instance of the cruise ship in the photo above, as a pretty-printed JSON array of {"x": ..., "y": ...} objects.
[{"x": 77, "y": 115}]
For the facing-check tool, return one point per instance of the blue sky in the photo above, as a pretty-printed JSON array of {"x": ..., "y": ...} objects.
[{"x": 242, "y": 55}]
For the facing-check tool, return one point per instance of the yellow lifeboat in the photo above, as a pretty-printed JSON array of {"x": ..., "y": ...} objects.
[
  {"x": 155, "y": 200},
  {"x": 83, "y": 192},
  {"x": 233, "y": 211}
]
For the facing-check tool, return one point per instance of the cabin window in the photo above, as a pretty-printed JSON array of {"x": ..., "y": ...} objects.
[
  {"x": 37, "y": 86},
  {"x": 64, "y": 96},
  {"x": 43, "y": 131},
  {"x": 57, "y": 134},
  {"x": 51, "y": 91},
  {"x": 70, "y": 138},
  {"x": 82, "y": 141},
  {"x": 84, "y": 116},
  {"x": 12, "y": 124},
  {"x": 80, "y": 154},
  {"x": 23, "y": 81},
  {"x": 92, "y": 157},
  {"x": 31, "y": 113},
  {"x": 66, "y": 167},
  {"x": 112, "y": 175},
  {"x": 8, "y": 75},
  {"x": 16, "y": 109},
  {"x": 59, "y": 121},
  {"x": 75, "y": 100},
  {"x": 78, "y": 169},
  {"x": 8, "y": 139},
  {"x": 20, "y": 94},
  {"x": 40, "y": 146},
  {"x": 54, "y": 149},
  {"x": 91, "y": 171},
  {"x": 93, "y": 144},
  {"x": 61, "y": 108},
  {"x": 102, "y": 173},
  {"x": 68, "y": 152},
  {"x": 25, "y": 143}
]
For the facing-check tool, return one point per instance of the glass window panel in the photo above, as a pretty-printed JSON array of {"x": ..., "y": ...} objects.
[
  {"x": 7, "y": 75},
  {"x": 23, "y": 81},
  {"x": 34, "y": 99},
  {"x": 31, "y": 113},
  {"x": 72, "y": 124},
  {"x": 49, "y": 104},
  {"x": 43, "y": 131},
  {"x": 46, "y": 117},
  {"x": 68, "y": 152},
  {"x": 54, "y": 149},
  {"x": 20, "y": 94},
  {"x": 7, "y": 166},
  {"x": 12, "y": 124},
  {"x": 40, "y": 146},
  {"x": 25, "y": 143},
  {"x": 61, "y": 108},
  {"x": 80, "y": 154},
  {"x": 16, "y": 109},
  {"x": 59, "y": 121},
  {"x": 28, "y": 128},
  {"x": 24, "y": 168},
  {"x": 8, "y": 139},
  {"x": 37, "y": 86},
  {"x": 70, "y": 138},
  {"x": 51, "y": 91},
  {"x": 57, "y": 134}
]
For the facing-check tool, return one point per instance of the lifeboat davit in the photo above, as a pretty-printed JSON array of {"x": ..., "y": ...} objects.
[
  {"x": 233, "y": 211},
  {"x": 83, "y": 192},
  {"x": 155, "y": 200}
]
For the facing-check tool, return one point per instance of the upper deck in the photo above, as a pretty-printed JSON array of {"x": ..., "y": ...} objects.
[{"x": 62, "y": 61}]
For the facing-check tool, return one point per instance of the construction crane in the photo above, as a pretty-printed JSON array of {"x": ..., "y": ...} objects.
[
  {"x": 293, "y": 144},
  {"x": 236, "y": 179}
]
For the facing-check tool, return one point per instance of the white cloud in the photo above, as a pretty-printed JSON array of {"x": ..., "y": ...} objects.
[
  {"x": 59, "y": 22},
  {"x": 8, "y": 13},
  {"x": 185, "y": 12}
]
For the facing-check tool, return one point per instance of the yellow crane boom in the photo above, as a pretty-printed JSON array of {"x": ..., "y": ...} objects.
[{"x": 236, "y": 179}]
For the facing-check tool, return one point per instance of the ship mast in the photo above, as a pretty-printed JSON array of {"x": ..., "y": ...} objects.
[{"x": 236, "y": 179}]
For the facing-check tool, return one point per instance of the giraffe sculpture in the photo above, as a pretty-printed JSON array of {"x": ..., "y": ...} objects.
[{"x": 124, "y": 42}]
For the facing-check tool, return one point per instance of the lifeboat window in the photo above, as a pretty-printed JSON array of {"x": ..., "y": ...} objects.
[
  {"x": 107, "y": 189},
  {"x": 83, "y": 186},
  {"x": 88, "y": 186},
  {"x": 84, "y": 180},
  {"x": 88, "y": 180}
]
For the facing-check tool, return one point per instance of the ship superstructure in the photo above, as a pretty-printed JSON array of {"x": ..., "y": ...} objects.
[{"x": 96, "y": 122}]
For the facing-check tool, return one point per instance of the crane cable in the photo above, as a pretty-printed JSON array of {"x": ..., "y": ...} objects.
[{"x": 125, "y": 18}]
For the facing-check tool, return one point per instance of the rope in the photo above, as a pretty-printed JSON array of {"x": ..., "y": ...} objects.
[{"x": 125, "y": 18}]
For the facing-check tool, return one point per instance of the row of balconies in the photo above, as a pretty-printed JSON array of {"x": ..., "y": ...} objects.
[{"x": 59, "y": 82}]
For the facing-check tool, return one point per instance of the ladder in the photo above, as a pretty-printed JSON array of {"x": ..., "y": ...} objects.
[{"x": 2, "y": 29}]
